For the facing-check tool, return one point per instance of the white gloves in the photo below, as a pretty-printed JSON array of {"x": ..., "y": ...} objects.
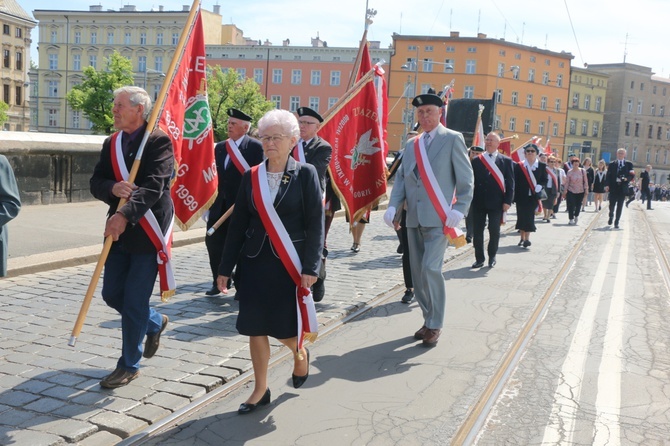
[
  {"x": 205, "y": 216},
  {"x": 454, "y": 218},
  {"x": 389, "y": 215},
  {"x": 538, "y": 188}
]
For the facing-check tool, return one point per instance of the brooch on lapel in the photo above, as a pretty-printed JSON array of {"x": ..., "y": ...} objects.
[{"x": 285, "y": 179}]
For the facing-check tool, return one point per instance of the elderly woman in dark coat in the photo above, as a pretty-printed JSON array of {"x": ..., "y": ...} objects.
[
  {"x": 530, "y": 177},
  {"x": 266, "y": 290}
]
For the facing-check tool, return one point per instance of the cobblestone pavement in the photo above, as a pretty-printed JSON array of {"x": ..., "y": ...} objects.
[{"x": 50, "y": 393}]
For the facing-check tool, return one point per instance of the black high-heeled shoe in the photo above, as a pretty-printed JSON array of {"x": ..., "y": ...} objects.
[
  {"x": 246, "y": 408},
  {"x": 298, "y": 381}
]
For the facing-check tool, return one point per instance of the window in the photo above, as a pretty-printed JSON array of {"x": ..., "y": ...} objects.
[
  {"x": 428, "y": 65},
  {"x": 559, "y": 80},
  {"x": 276, "y": 100},
  {"x": 515, "y": 98},
  {"x": 634, "y": 156},
  {"x": 658, "y": 152},
  {"x": 296, "y": 77},
  {"x": 545, "y": 78},
  {"x": 587, "y": 102},
  {"x": 575, "y": 100},
  {"x": 276, "y": 75},
  {"x": 93, "y": 61},
  {"x": 448, "y": 65},
  {"x": 632, "y": 85},
  {"x": 540, "y": 128},
  {"x": 637, "y": 130},
  {"x": 499, "y": 94},
  {"x": 629, "y": 109},
  {"x": 496, "y": 122},
  {"x": 470, "y": 66},
  {"x": 18, "y": 98},
  {"x": 175, "y": 38},
  {"x": 5, "y": 94},
  {"x": 53, "y": 61},
  {"x": 52, "y": 89},
  {"x": 627, "y": 129},
  {"x": 532, "y": 58},
  {"x": 315, "y": 78},
  {"x": 331, "y": 102},
  {"x": 651, "y": 131},
  {"x": 158, "y": 63},
  {"x": 5, "y": 30},
  {"x": 659, "y": 132},
  {"x": 241, "y": 73},
  {"x": 661, "y": 111},
  {"x": 429, "y": 48},
  {"x": 314, "y": 103},
  {"x": 335, "y": 78},
  {"x": 75, "y": 119},
  {"x": 531, "y": 75},
  {"x": 529, "y": 101},
  {"x": 543, "y": 103},
  {"x": 641, "y": 86},
  {"x": 53, "y": 114},
  {"x": 258, "y": 76},
  {"x": 653, "y": 109},
  {"x": 639, "y": 107},
  {"x": 472, "y": 49},
  {"x": 648, "y": 156},
  {"x": 19, "y": 60},
  {"x": 76, "y": 62},
  {"x": 585, "y": 127},
  {"x": 557, "y": 105},
  {"x": 94, "y": 38},
  {"x": 294, "y": 103},
  {"x": 515, "y": 73},
  {"x": 54, "y": 36},
  {"x": 598, "y": 102},
  {"x": 411, "y": 48},
  {"x": 6, "y": 58},
  {"x": 159, "y": 38},
  {"x": 512, "y": 124},
  {"x": 501, "y": 69},
  {"x": 77, "y": 37},
  {"x": 573, "y": 126},
  {"x": 110, "y": 37},
  {"x": 555, "y": 131},
  {"x": 469, "y": 92},
  {"x": 142, "y": 64},
  {"x": 526, "y": 126},
  {"x": 425, "y": 88},
  {"x": 143, "y": 38},
  {"x": 450, "y": 49},
  {"x": 127, "y": 38}
]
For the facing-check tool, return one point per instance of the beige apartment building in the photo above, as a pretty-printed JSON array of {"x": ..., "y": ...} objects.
[
  {"x": 586, "y": 111},
  {"x": 636, "y": 117},
  {"x": 71, "y": 40},
  {"x": 15, "y": 41}
]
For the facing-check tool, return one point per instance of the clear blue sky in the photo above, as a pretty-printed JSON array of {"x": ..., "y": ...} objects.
[{"x": 594, "y": 31}]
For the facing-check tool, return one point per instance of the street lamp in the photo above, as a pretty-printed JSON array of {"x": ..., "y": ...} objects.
[{"x": 409, "y": 112}]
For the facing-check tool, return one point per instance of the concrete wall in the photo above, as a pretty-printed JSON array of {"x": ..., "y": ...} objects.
[{"x": 52, "y": 167}]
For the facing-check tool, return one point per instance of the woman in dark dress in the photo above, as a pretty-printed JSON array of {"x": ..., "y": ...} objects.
[
  {"x": 526, "y": 191},
  {"x": 266, "y": 290},
  {"x": 599, "y": 183}
]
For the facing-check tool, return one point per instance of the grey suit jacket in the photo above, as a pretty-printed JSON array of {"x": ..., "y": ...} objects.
[{"x": 447, "y": 155}]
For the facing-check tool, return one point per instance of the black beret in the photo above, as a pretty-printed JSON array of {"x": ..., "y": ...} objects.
[
  {"x": 427, "y": 99},
  {"x": 306, "y": 111},
  {"x": 531, "y": 146},
  {"x": 235, "y": 113},
  {"x": 477, "y": 149}
]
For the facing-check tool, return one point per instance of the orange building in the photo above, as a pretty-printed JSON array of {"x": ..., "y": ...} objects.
[
  {"x": 294, "y": 76},
  {"x": 532, "y": 83}
]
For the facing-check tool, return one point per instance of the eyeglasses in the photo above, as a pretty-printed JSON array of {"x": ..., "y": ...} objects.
[
  {"x": 530, "y": 151},
  {"x": 275, "y": 139}
]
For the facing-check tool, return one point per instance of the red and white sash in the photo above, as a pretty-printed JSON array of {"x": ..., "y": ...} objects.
[
  {"x": 162, "y": 242},
  {"x": 532, "y": 182},
  {"x": 492, "y": 167},
  {"x": 308, "y": 325},
  {"x": 236, "y": 156},
  {"x": 435, "y": 194},
  {"x": 554, "y": 180},
  {"x": 299, "y": 153}
]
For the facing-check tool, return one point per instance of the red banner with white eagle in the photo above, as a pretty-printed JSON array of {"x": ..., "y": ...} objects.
[
  {"x": 186, "y": 119},
  {"x": 357, "y": 167}
]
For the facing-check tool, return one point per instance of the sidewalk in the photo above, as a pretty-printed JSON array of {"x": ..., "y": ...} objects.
[{"x": 50, "y": 393}]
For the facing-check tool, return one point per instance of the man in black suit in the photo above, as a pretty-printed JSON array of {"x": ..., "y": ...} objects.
[
  {"x": 473, "y": 152},
  {"x": 646, "y": 191},
  {"x": 493, "y": 195},
  {"x": 233, "y": 156},
  {"x": 314, "y": 150},
  {"x": 619, "y": 173}
]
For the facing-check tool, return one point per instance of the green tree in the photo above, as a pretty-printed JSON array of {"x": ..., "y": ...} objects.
[
  {"x": 226, "y": 90},
  {"x": 95, "y": 95},
  {"x": 3, "y": 113}
]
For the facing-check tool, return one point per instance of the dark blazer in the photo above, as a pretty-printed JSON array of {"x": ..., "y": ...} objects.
[
  {"x": 487, "y": 193},
  {"x": 153, "y": 181},
  {"x": 229, "y": 177},
  {"x": 522, "y": 190},
  {"x": 299, "y": 206},
  {"x": 618, "y": 179},
  {"x": 318, "y": 153},
  {"x": 644, "y": 176}
]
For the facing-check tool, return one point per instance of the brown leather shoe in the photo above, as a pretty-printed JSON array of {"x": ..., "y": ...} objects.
[
  {"x": 153, "y": 341},
  {"x": 420, "y": 333},
  {"x": 431, "y": 336},
  {"x": 118, "y": 378}
]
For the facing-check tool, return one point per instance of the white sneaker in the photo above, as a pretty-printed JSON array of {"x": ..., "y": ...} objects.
[
  {"x": 576, "y": 220},
  {"x": 571, "y": 222}
]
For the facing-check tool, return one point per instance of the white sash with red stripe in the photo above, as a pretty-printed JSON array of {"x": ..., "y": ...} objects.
[
  {"x": 308, "y": 325},
  {"x": 492, "y": 167},
  {"x": 532, "y": 182},
  {"x": 162, "y": 242},
  {"x": 299, "y": 153},
  {"x": 435, "y": 194},
  {"x": 236, "y": 157},
  {"x": 554, "y": 180}
]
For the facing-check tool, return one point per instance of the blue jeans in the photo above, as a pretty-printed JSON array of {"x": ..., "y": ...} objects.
[{"x": 127, "y": 286}]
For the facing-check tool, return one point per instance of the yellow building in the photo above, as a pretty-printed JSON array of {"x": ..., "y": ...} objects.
[
  {"x": 586, "y": 110},
  {"x": 532, "y": 83},
  {"x": 16, "y": 27},
  {"x": 71, "y": 40}
]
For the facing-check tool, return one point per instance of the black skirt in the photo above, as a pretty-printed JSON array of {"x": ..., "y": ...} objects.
[
  {"x": 525, "y": 214},
  {"x": 267, "y": 296}
]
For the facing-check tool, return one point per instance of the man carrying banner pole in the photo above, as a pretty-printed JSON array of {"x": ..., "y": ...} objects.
[{"x": 436, "y": 168}]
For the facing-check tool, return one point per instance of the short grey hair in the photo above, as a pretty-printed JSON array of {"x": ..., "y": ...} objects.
[
  {"x": 283, "y": 118},
  {"x": 137, "y": 96}
]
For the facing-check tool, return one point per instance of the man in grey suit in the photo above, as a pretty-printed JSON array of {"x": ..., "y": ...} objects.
[
  {"x": 446, "y": 156},
  {"x": 10, "y": 205}
]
